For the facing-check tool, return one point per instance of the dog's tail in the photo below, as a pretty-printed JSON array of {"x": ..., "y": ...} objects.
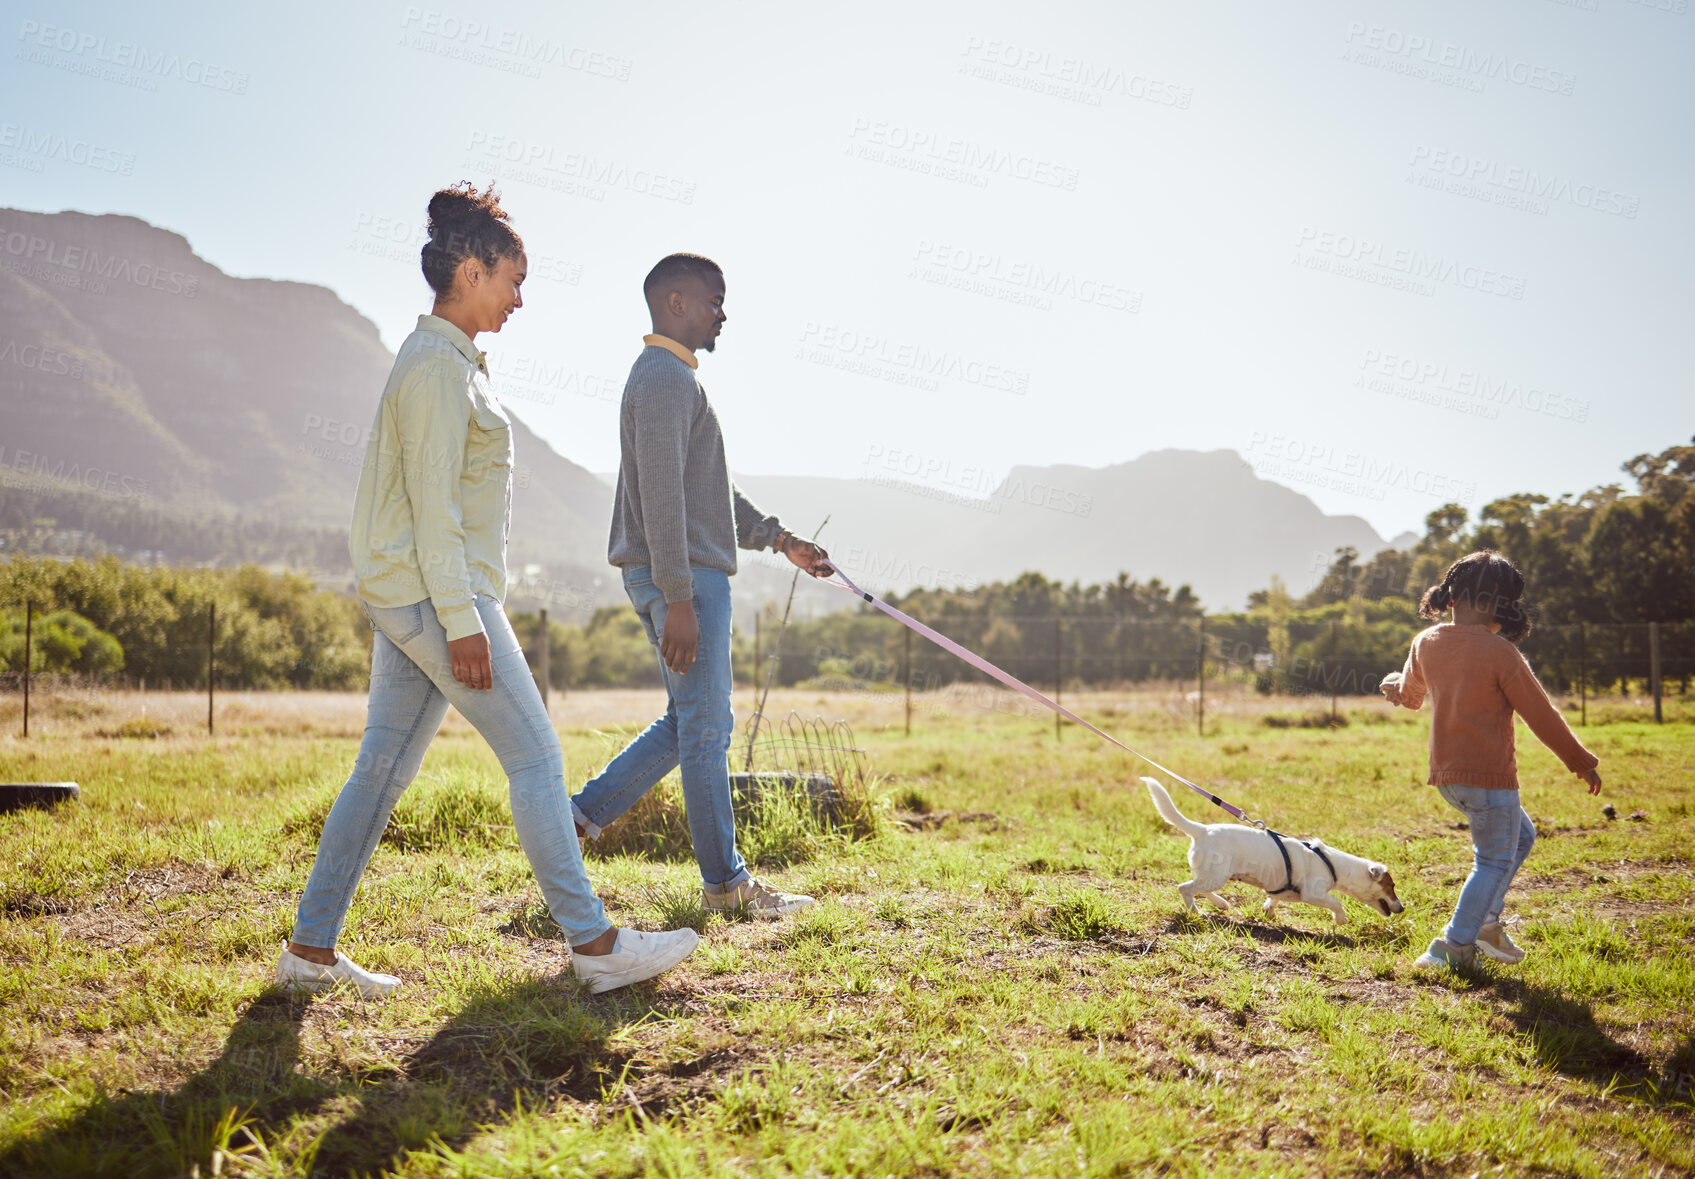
[{"x": 1168, "y": 810}]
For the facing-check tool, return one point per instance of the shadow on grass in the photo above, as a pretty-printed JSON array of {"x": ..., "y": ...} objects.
[
  {"x": 1184, "y": 921},
  {"x": 522, "y": 1043},
  {"x": 158, "y": 1133},
  {"x": 1563, "y": 1034}
]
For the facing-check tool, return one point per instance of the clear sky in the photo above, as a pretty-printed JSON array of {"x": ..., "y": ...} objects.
[{"x": 1393, "y": 253}]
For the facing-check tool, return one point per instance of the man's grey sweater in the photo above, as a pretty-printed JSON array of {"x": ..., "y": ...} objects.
[{"x": 675, "y": 507}]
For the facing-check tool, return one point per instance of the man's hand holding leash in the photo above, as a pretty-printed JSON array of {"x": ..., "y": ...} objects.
[
  {"x": 680, "y": 642},
  {"x": 804, "y": 554}
]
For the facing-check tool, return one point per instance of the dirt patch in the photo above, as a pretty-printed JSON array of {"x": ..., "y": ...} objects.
[
  {"x": 33, "y": 904},
  {"x": 132, "y": 912},
  {"x": 675, "y": 1085},
  {"x": 935, "y": 820}
]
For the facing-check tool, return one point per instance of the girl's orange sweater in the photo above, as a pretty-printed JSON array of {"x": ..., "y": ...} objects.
[{"x": 1476, "y": 681}]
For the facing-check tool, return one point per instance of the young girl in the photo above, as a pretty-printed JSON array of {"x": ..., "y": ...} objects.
[{"x": 1477, "y": 678}]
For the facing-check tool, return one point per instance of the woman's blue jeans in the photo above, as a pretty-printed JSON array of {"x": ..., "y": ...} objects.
[
  {"x": 411, "y": 686},
  {"x": 695, "y": 732},
  {"x": 1501, "y": 837}
]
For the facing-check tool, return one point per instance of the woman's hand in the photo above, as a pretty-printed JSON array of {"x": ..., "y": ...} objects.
[
  {"x": 1391, "y": 687},
  {"x": 1594, "y": 780},
  {"x": 469, "y": 657}
]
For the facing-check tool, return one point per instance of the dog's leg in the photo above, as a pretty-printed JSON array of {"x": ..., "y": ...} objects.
[
  {"x": 1270, "y": 907},
  {"x": 1326, "y": 901},
  {"x": 1219, "y": 899},
  {"x": 1187, "y": 888}
]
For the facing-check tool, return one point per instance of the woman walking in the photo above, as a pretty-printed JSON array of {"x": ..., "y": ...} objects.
[{"x": 428, "y": 541}]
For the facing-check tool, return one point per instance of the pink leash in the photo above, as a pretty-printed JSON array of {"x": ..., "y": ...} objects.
[{"x": 841, "y": 581}]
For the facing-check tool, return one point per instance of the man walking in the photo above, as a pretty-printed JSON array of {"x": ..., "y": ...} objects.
[{"x": 676, "y": 524}]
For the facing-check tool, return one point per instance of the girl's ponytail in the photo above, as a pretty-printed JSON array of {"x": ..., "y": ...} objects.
[
  {"x": 1438, "y": 599},
  {"x": 1487, "y": 581}
]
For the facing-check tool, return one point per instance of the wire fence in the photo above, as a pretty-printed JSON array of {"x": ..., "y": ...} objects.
[{"x": 1333, "y": 658}]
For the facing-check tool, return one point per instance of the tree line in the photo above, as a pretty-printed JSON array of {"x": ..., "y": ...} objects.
[
  {"x": 104, "y": 619},
  {"x": 1597, "y": 565}
]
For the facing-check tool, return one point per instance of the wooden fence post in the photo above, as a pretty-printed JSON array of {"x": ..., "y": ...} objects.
[
  {"x": 1654, "y": 667},
  {"x": 542, "y": 655},
  {"x": 1333, "y": 676},
  {"x": 906, "y": 661},
  {"x": 758, "y": 672},
  {"x": 1056, "y": 672},
  {"x": 211, "y": 659},
  {"x": 1201, "y": 678},
  {"x": 29, "y": 616},
  {"x": 1583, "y": 672}
]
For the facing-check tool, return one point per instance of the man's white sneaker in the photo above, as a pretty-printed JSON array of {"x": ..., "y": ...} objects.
[
  {"x": 1493, "y": 942},
  {"x": 298, "y": 974},
  {"x": 635, "y": 955},
  {"x": 757, "y": 899}
]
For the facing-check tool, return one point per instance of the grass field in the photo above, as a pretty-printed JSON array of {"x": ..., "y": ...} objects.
[{"x": 999, "y": 980}]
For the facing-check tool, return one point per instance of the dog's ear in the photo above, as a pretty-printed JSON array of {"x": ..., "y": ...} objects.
[{"x": 1377, "y": 871}]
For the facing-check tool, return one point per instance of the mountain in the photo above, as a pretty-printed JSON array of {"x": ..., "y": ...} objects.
[
  {"x": 136, "y": 372},
  {"x": 1201, "y": 518},
  {"x": 158, "y": 408}
]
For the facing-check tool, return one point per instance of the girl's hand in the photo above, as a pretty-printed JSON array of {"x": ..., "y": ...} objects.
[
  {"x": 1594, "y": 780},
  {"x": 1391, "y": 687}
]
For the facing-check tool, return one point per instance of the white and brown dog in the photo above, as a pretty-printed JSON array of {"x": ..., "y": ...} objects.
[{"x": 1288, "y": 870}]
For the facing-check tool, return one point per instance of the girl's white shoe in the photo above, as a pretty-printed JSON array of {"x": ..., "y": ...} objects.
[{"x": 298, "y": 974}]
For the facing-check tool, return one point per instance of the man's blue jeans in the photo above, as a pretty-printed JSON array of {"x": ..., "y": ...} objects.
[
  {"x": 411, "y": 686},
  {"x": 1501, "y": 838},
  {"x": 694, "y": 732}
]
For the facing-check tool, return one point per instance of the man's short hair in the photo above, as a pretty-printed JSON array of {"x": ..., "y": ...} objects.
[{"x": 673, "y": 268}]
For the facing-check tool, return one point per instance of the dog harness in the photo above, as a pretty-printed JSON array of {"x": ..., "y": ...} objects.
[{"x": 1313, "y": 846}]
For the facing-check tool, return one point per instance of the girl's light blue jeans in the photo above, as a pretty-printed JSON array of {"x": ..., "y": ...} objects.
[
  {"x": 1501, "y": 837},
  {"x": 411, "y": 686},
  {"x": 695, "y": 732}
]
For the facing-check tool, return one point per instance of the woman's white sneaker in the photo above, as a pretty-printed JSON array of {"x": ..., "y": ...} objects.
[
  {"x": 635, "y": 955},
  {"x": 298, "y": 974}
]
